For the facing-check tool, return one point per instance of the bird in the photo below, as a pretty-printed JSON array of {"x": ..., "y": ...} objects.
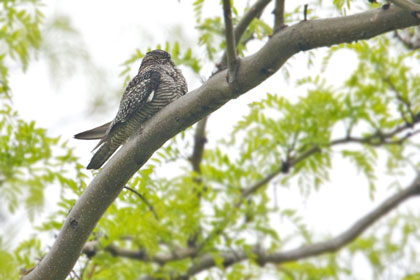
[{"x": 158, "y": 83}]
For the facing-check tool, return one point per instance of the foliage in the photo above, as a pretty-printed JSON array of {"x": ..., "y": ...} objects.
[
  {"x": 20, "y": 34},
  {"x": 30, "y": 160},
  {"x": 168, "y": 208}
]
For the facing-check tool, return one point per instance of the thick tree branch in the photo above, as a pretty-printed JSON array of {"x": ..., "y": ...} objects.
[
  {"x": 278, "y": 15},
  {"x": 187, "y": 110},
  {"x": 208, "y": 261},
  {"x": 406, "y": 4},
  {"x": 230, "y": 42}
]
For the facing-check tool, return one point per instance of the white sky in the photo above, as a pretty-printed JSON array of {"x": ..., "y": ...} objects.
[{"x": 111, "y": 31}]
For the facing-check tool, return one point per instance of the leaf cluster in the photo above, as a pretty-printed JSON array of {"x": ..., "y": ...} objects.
[{"x": 20, "y": 22}]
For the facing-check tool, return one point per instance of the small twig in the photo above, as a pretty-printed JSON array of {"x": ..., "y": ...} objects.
[
  {"x": 305, "y": 12},
  {"x": 403, "y": 100},
  {"x": 151, "y": 208},
  {"x": 230, "y": 42},
  {"x": 278, "y": 15},
  {"x": 253, "y": 188},
  {"x": 92, "y": 271}
]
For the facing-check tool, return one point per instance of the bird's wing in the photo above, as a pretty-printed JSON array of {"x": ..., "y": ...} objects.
[
  {"x": 135, "y": 96},
  {"x": 137, "y": 93}
]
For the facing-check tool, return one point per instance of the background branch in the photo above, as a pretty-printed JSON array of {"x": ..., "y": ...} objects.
[
  {"x": 230, "y": 42},
  {"x": 91, "y": 248},
  {"x": 254, "y": 12},
  {"x": 207, "y": 261},
  {"x": 199, "y": 143},
  {"x": 187, "y": 110},
  {"x": 377, "y": 139}
]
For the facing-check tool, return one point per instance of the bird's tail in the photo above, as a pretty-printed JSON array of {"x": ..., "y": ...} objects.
[
  {"x": 94, "y": 133},
  {"x": 101, "y": 156}
]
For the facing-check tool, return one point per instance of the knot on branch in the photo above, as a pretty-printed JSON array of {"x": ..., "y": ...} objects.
[
  {"x": 268, "y": 71},
  {"x": 415, "y": 14},
  {"x": 416, "y": 117},
  {"x": 261, "y": 255},
  {"x": 73, "y": 223},
  {"x": 386, "y": 6},
  {"x": 90, "y": 248},
  {"x": 285, "y": 166}
]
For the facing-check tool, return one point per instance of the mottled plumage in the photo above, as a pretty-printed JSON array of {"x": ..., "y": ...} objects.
[{"x": 157, "y": 84}]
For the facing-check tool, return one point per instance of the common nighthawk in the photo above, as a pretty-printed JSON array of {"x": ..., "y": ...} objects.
[{"x": 157, "y": 84}]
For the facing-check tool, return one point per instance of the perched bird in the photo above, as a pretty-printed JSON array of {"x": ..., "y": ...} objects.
[{"x": 157, "y": 84}]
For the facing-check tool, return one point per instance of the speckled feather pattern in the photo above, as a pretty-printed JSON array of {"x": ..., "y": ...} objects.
[{"x": 159, "y": 79}]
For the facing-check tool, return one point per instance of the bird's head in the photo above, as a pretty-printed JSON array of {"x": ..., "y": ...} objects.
[{"x": 156, "y": 57}]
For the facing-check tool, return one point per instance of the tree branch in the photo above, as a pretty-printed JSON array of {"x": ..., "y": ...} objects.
[
  {"x": 141, "y": 255},
  {"x": 407, "y": 5},
  {"x": 230, "y": 42},
  {"x": 253, "y": 12},
  {"x": 199, "y": 142},
  {"x": 208, "y": 261},
  {"x": 187, "y": 110},
  {"x": 403, "y": 100},
  {"x": 91, "y": 249},
  {"x": 240, "y": 28},
  {"x": 377, "y": 139},
  {"x": 278, "y": 15},
  {"x": 351, "y": 233}
]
